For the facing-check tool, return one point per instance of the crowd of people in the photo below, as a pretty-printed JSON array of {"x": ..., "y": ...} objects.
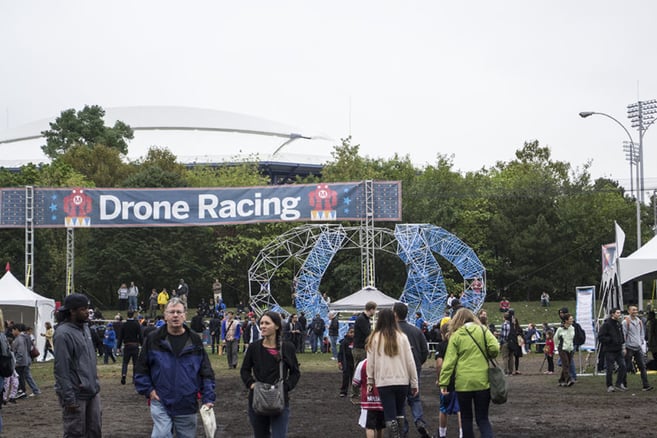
[{"x": 381, "y": 361}]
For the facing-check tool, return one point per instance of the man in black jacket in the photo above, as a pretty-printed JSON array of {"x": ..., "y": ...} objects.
[
  {"x": 612, "y": 339},
  {"x": 130, "y": 337},
  {"x": 420, "y": 351}
]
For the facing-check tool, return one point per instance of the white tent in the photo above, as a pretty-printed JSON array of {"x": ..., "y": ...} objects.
[
  {"x": 356, "y": 301},
  {"x": 19, "y": 304},
  {"x": 641, "y": 263}
]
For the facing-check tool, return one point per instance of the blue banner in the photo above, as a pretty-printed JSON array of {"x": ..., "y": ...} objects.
[{"x": 80, "y": 207}]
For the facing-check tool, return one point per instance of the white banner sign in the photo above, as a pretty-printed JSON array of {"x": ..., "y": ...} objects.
[{"x": 584, "y": 314}]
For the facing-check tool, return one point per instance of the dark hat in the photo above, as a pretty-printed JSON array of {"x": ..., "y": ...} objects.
[
  {"x": 75, "y": 301},
  {"x": 563, "y": 310}
]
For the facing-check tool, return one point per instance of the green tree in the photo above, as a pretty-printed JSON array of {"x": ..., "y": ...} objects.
[{"x": 85, "y": 128}]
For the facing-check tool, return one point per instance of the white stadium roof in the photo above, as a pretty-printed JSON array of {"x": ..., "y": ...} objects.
[{"x": 194, "y": 135}]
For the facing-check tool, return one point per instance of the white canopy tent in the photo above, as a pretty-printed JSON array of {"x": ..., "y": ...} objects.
[
  {"x": 640, "y": 264},
  {"x": 356, "y": 301},
  {"x": 21, "y": 305}
]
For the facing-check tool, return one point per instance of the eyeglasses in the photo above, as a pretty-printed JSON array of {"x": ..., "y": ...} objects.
[{"x": 175, "y": 312}]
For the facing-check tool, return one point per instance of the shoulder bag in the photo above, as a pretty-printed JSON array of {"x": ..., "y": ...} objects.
[
  {"x": 269, "y": 399},
  {"x": 498, "y": 387}
]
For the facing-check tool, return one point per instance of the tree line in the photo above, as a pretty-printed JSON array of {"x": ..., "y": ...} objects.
[{"x": 536, "y": 224}]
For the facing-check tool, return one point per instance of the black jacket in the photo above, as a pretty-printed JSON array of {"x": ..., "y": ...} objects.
[
  {"x": 611, "y": 335},
  {"x": 129, "y": 334},
  {"x": 362, "y": 329},
  {"x": 418, "y": 343},
  {"x": 260, "y": 365}
]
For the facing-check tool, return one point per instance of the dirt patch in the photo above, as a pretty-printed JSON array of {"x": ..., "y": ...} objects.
[{"x": 537, "y": 407}]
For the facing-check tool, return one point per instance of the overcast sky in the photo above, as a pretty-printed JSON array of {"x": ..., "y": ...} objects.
[{"x": 475, "y": 79}]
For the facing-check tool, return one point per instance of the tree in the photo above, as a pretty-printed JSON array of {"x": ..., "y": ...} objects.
[{"x": 86, "y": 128}]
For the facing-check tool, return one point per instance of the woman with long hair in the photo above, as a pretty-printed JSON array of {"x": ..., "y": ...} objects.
[
  {"x": 391, "y": 368},
  {"x": 49, "y": 334},
  {"x": 261, "y": 363},
  {"x": 470, "y": 343}
]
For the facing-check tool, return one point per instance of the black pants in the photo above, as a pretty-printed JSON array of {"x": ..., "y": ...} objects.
[{"x": 129, "y": 352}]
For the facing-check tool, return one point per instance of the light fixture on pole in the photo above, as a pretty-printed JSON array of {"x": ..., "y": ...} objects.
[
  {"x": 638, "y": 156},
  {"x": 642, "y": 116},
  {"x": 632, "y": 156}
]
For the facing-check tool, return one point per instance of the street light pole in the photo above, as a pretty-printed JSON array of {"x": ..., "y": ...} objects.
[{"x": 585, "y": 114}]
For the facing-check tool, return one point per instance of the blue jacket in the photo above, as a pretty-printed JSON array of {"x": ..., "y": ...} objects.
[
  {"x": 177, "y": 379},
  {"x": 110, "y": 338}
]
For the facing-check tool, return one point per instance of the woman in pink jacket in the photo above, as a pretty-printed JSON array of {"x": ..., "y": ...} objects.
[{"x": 390, "y": 367}]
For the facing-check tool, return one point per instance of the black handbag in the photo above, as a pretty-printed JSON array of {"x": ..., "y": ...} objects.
[
  {"x": 498, "y": 387},
  {"x": 268, "y": 398}
]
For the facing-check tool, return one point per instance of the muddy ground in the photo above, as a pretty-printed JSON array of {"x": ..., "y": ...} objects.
[{"x": 537, "y": 407}]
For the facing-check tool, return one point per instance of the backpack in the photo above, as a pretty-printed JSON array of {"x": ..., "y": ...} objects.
[
  {"x": 318, "y": 326},
  {"x": 580, "y": 335}
]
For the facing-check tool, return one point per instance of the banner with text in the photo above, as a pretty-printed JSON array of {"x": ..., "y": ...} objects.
[{"x": 80, "y": 207}]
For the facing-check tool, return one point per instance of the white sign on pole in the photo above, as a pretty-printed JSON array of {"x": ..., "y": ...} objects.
[{"x": 584, "y": 314}]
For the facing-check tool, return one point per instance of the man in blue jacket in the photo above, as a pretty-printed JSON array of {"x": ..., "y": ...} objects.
[{"x": 173, "y": 367}]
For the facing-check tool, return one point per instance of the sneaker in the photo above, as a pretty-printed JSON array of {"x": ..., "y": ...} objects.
[
  {"x": 647, "y": 388},
  {"x": 422, "y": 430},
  {"x": 342, "y": 395},
  {"x": 20, "y": 395},
  {"x": 621, "y": 387},
  {"x": 122, "y": 380},
  {"x": 611, "y": 389},
  {"x": 333, "y": 358},
  {"x": 570, "y": 383}
]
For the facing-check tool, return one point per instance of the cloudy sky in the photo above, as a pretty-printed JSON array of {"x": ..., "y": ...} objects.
[{"x": 473, "y": 79}]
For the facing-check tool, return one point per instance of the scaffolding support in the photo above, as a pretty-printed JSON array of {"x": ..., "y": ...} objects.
[
  {"x": 70, "y": 260},
  {"x": 29, "y": 237},
  {"x": 368, "y": 270}
]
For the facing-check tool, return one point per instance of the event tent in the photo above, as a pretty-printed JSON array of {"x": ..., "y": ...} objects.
[
  {"x": 19, "y": 304},
  {"x": 640, "y": 264},
  {"x": 356, "y": 301}
]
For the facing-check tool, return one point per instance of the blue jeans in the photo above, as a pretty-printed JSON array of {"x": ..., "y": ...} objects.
[
  {"x": 481, "y": 401},
  {"x": 132, "y": 303},
  {"x": 393, "y": 399},
  {"x": 334, "y": 346},
  {"x": 269, "y": 427},
  {"x": 164, "y": 424},
  {"x": 415, "y": 404},
  {"x": 314, "y": 340}
]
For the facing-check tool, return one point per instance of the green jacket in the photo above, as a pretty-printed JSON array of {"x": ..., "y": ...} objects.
[{"x": 467, "y": 359}]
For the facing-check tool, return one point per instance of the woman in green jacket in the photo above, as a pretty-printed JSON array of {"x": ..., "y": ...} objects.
[{"x": 465, "y": 358}]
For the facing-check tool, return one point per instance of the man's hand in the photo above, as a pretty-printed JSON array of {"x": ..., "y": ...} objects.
[
  {"x": 71, "y": 409},
  {"x": 154, "y": 395}
]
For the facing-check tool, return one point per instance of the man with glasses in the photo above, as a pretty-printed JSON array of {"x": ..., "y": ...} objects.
[{"x": 173, "y": 367}]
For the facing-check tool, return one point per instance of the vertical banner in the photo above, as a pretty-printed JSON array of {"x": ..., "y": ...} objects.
[{"x": 584, "y": 314}]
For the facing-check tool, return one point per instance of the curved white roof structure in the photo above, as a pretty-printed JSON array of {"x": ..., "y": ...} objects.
[{"x": 195, "y": 135}]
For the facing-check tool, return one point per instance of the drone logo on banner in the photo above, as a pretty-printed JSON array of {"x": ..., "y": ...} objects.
[
  {"x": 323, "y": 201},
  {"x": 77, "y": 206}
]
